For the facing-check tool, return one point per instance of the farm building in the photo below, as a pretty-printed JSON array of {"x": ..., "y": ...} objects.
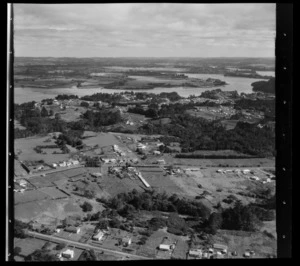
[
  {"x": 22, "y": 183},
  {"x": 220, "y": 247},
  {"x": 246, "y": 171},
  {"x": 108, "y": 160},
  {"x": 96, "y": 175},
  {"x": 164, "y": 247},
  {"x": 36, "y": 227},
  {"x": 98, "y": 236},
  {"x": 126, "y": 241},
  {"x": 195, "y": 253},
  {"x": 69, "y": 254},
  {"x": 72, "y": 229}
]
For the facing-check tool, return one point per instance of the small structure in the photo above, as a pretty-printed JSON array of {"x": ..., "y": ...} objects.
[
  {"x": 98, "y": 236},
  {"x": 69, "y": 254},
  {"x": 247, "y": 254},
  {"x": 220, "y": 248},
  {"x": 164, "y": 247},
  {"x": 63, "y": 164},
  {"x": 195, "y": 253},
  {"x": 96, "y": 175},
  {"x": 22, "y": 183},
  {"x": 54, "y": 165},
  {"x": 162, "y": 161},
  {"x": 72, "y": 229},
  {"x": 126, "y": 241},
  {"x": 246, "y": 171},
  {"x": 156, "y": 152}
]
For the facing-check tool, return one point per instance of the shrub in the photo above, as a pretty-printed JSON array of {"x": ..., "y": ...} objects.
[{"x": 87, "y": 207}]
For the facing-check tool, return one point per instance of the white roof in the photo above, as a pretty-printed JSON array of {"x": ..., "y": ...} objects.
[
  {"x": 69, "y": 252},
  {"x": 164, "y": 246},
  {"x": 99, "y": 235}
]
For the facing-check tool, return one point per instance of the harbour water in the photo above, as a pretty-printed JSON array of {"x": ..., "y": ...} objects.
[{"x": 22, "y": 95}]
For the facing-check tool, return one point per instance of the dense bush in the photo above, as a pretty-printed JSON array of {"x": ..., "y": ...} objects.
[
  {"x": 199, "y": 134},
  {"x": 87, "y": 207},
  {"x": 158, "y": 201}
]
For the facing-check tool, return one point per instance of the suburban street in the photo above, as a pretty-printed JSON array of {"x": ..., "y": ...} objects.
[{"x": 82, "y": 245}]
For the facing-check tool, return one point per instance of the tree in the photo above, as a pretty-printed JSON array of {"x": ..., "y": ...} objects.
[
  {"x": 87, "y": 207},
  {"x": 57, "y": 116},
  {"x": 51, "y": 112},
  {"x": 84, "y": 104},
  {"x": 44, "y": 112},
  {"x": 214, "y": 223},
  {"x": 17, "y": 251},
  {"x": 60, "y": 246}
]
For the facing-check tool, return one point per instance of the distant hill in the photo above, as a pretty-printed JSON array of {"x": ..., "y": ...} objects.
[{"x": 264, "y": 86}]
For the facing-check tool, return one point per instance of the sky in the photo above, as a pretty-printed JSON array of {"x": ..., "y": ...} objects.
[{"x": 144, "y": 30}]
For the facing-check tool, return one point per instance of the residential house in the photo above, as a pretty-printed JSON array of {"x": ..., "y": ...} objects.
[
  {"x": 98, "y": 236},
  {"x": 195, "y": 253},
  {"x": 221, "y": 248},
  {"x": 69, "y": 254},
  {"x": 126, "y": 241},
  {"x": 164, "y": 247},
  {"x": 72, "y": 229}
]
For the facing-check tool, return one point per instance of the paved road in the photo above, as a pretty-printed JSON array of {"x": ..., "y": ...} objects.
[{"x": 83, "y": 245}]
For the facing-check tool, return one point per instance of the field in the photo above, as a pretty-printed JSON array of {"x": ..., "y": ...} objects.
[
  {"x": 28, "y": 245},
  {"x": 240, "y": 241},
  {"x": 72, "y": 113},
  {"x": 102, "y": 140},
  {"x": 19, "y": 171},
  {"x": 54, "y": 193},
  {"x": 150, "y": 249},
  {"x": 27, "y": 145},
  {"x": 248, "y": 162},
  {"x": 60, "y": 209},
  {"x": 30, "y": 195}
]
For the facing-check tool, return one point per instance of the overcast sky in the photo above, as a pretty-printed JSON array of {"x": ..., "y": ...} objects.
[{"x": 146, "y": 30}]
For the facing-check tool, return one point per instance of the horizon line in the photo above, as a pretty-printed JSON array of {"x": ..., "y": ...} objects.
[{"x": 144, "y": 57}]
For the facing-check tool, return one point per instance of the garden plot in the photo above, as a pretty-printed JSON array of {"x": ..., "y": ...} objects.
[
  {"x": 60, "y": 209},
  {"x": 28, "y": 245},
  {"x": 27, "y": 145},
  {"x": 102, "y": 140},
  {"x": 240, "y": 241},
  {"x": 54, "y": 193},
  {"x": 29, "y": 196}
]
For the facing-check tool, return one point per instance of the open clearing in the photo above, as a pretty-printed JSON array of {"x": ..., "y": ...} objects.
[
  {"x": 102, "y": 140},
  {"x": 28, "y": 245},
  {"x": 27, "y": 145},
  {"x": 240, "y": 241},
  {"x": 60, "y": 209}
]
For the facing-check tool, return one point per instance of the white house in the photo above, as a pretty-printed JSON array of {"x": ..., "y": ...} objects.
[
  {"x": 69, "y": 254},
  {"x": 195, "y": 252},
  {"x": 63, "y": 164},
  {"x": 98, "y": 236},
  {"x": 54, "y": 165},
  {"x": 164, "y": 247},
  {"x": 126, "y": 241},
  {"x": 22, "y": 183},
  {"x": 162, "y": 161},
  {"x": 221, "y": 248}
]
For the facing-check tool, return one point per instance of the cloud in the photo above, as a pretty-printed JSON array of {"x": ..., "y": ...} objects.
[{"x": 182, "y": 27}]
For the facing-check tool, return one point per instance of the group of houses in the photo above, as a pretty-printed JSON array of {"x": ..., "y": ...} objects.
[
  {"x": 217, "y": 251},
  {"x": 65, "y": 163}
]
